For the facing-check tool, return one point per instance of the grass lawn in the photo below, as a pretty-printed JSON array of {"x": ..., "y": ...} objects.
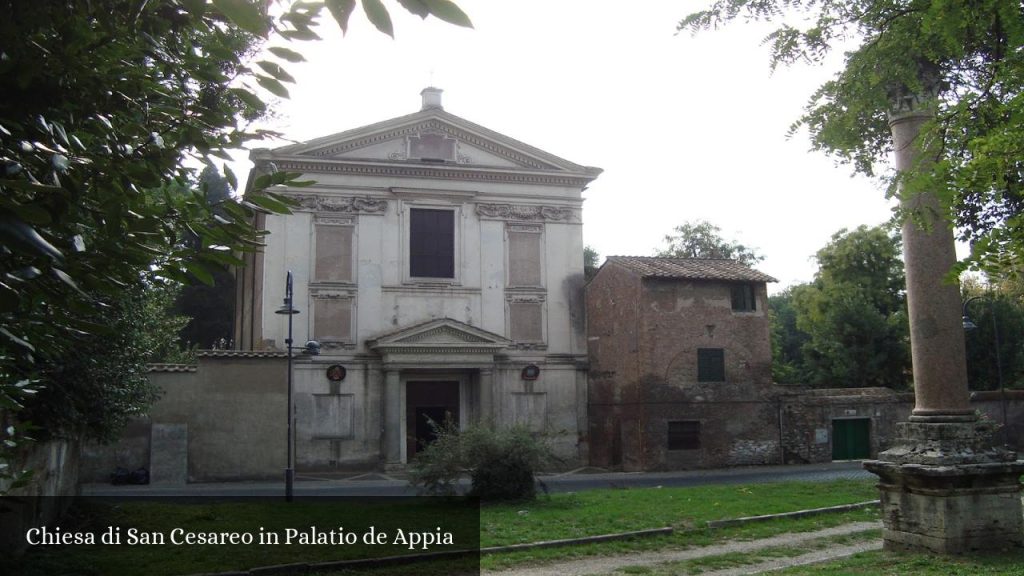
[
  {"x": 548, "y": 518},
  {"x": 608, "y": 511}
]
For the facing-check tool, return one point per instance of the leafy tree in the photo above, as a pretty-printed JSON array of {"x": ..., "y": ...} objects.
[
  {"x": 997, "y": 316},
  {"x": 209, "y": 307},
  {"x": 105, "y": 107},
  {"x": 100, "y": 383},
  {"x": 591, "y": 262},
  {"x": 702, "y": 239},
  {"x": 853, "y": 314},
  {"x": 961, "y": 59},
  {"x": 787, "y": 339}
]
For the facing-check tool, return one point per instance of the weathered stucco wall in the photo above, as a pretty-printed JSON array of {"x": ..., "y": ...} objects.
[{"x": 223, "y": 421}]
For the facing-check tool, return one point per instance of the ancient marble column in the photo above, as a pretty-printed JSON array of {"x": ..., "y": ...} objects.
[
  {"x": 933, "y": 300},
  {"x": 944, "y": 487}
]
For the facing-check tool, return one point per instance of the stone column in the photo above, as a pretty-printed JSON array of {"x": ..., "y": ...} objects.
[
  {"x": 943, "y": 486},
  {"x": 392, "y": 418},
  {"x": 486, "y": 396},
  {"x": 933, "y": 302}
]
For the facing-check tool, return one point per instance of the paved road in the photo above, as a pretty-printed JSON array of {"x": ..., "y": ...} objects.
[{"x": 375, "y": 484}]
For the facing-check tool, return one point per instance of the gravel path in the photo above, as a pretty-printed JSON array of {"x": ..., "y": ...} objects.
[{"x": 609, "y": 564}]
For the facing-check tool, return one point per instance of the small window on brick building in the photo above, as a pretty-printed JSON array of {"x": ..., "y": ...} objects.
[
  {"x": 684, "y": 435},
  {"x": 431, "y": 243},
  {"x": 743, "y": 298},
  {"x": 710, "y": 365}
]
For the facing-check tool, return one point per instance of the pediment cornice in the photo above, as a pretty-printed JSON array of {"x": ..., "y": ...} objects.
[
  {"x": 338, "y": 153},
  {"x": 430, "y": 171},
  {"x": 439, "y": 336}
]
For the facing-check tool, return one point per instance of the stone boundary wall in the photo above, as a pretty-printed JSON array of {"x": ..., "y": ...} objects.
[
  {"x": 808, "y": 415},
  {"x": 224, "y": 419}
]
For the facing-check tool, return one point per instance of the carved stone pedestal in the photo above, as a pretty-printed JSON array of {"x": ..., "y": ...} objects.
[{"x": 945, "y": 489}]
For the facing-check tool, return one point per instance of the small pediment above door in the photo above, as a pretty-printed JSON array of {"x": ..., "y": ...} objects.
[{"x": 441, "y": 336}]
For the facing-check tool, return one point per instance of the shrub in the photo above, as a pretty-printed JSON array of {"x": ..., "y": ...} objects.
[{"x": 500, "y": 462}]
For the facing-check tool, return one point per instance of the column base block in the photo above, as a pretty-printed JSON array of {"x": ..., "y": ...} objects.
[{"x": 945, "y": 490}]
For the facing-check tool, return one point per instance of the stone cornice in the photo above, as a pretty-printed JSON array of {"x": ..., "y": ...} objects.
[{"x": 432, "y": 171}]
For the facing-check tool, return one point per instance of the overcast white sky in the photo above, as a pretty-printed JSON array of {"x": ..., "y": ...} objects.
[{"x": 684, "y": 127}]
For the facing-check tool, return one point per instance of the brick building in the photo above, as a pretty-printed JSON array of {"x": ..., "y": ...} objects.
[{"x": 680, "y": 365}]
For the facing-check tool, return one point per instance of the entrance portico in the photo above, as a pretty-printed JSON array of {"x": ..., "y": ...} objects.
[{"x": 435, "y": 369}]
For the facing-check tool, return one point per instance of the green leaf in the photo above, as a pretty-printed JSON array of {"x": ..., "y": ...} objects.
[
  {"x": 276, "y": 71},
  {"x": 272, "y": 86},
  {"x": 378, "y": 16},
  {"x": 286, "y": 54},
  {"x": 15, "y": 340},
  {"x": 417, "y": 7},
  {"x": 303, "y": 34},
  {"x": 17, "y": 230},
  {"x": 246, "y": 15},
  {"x": 448, "y": 11},
  {"x": 200, "y": 271},
  {"x": 223, "y": 258},
  {"x": 268, "y": 203},
  {"x": 249, "y": 98},
  {"x": 229, "y": 175},
  {"x": 341, "y": 10}
]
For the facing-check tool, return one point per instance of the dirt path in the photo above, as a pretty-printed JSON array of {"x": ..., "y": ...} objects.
[{"x": 609, "y": 564}]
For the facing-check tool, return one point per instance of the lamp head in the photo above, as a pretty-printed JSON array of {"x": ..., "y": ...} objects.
[{"x": 312, "y": 348}]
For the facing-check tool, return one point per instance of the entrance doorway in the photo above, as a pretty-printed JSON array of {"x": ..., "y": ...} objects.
[
  {"x": 851, "y": 439},
  {"x": 427, "y": 402}
]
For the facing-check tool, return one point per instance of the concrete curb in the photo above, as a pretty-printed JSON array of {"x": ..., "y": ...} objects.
[
  {"x": 585, "y": 540},
  {"x": 797, "y": 514},
  {"x": 302, "y": 568},
  {"x": 305, "y": 568}
]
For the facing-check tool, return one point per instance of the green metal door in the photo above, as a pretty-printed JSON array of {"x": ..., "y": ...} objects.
[{"x": 851, "y": 439}]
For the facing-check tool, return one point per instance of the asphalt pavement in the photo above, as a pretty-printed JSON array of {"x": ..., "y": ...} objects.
[{"x": 378, "y": 484}]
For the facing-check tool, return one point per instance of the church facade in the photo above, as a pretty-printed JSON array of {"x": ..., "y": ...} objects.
[{"x": 439, "y": 264}]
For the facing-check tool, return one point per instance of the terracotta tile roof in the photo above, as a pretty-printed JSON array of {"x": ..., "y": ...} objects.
[
  {"x": 171, "y": 368},
  {"x": 240, "y": 354},
  {"x": 691, "y": 268}
]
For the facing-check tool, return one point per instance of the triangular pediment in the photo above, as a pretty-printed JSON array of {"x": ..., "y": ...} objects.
[
  {"x": 441, "y": 333},
  {"x": 431, "y": 136}
]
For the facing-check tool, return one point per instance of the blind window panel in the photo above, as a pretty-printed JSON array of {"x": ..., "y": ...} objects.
[
  {"x": 333, "y": 253},
  {"x": 332, "y": 319},
  {"x": 523, "y": 259},
  {"x": 525, "y": 320}
]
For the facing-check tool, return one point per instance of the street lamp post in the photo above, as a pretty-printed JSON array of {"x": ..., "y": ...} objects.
[
  {"x": 312, "y": 348},
  {"x": 969, "y": 325}
]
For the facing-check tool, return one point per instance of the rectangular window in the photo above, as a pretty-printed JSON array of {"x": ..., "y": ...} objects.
[
  {"x": 743, "y": 298},
  {"x": 710, "y": 365},
  {"x": 333, "y": 253},
  {"x": 684, "y": 435},
  {"x": 431, "y": 243},
  {"x": 332, "y": 319},
  {"x": 523, "y": 258},
  {"x": 525, "y": 319}
]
